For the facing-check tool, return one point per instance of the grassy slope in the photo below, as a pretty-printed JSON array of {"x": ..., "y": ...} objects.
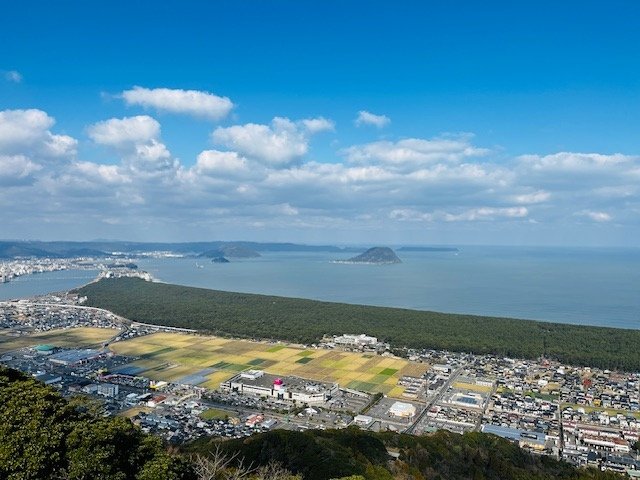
[{"x": 261, "y": 316}]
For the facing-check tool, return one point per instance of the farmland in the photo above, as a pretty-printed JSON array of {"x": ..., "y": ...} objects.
[
  {"x": 208, "y": 361},
  {"x": 70, "y": 337},
  {"x": 307, "y": 321}
]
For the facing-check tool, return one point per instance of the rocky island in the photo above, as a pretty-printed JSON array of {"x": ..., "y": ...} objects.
[
  {"x": 374, "y": 256},
  {"x": 219, "y": 260}
]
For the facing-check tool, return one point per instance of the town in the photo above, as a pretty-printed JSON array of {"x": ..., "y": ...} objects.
[
  {"x": 109, "y": 266},
  {"x": 583, "y": 415}
]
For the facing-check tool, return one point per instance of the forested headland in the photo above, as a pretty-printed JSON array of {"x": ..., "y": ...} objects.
[{"x": 306, "y": 321}]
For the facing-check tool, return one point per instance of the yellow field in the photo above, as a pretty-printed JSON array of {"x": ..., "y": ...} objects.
[
  {"x": 133, "y": 411},
  {"x": 471, "y": 387},
  {"x": 173, "y": 356},
  {"x": 71, "y": 337}
]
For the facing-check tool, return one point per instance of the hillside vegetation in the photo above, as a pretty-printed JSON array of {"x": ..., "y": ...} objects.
[
  {"x": 324, "y": 454},
  {"x": 43, "y": 436},
  {"x": 306, "y": 321}
]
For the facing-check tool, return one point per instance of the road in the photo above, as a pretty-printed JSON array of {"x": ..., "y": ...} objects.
[{"x": 433, "y": 401}]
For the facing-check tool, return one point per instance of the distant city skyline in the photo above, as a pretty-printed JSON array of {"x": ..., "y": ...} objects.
[{"x": 321, "y": 123}]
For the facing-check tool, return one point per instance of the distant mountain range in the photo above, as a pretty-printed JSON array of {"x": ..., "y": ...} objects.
[
  {"x": 38, "y": 249},
  {"x": 428, "y": 249},
  {"x": 232, "y": 250},
  {"x": 236, "y": 249}
]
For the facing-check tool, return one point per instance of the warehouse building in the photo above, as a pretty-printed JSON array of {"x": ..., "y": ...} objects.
[
  {"x": 76, "y": 356},
  {"x": 402, "y": 410},
  {"x": 261, "y": 384}
]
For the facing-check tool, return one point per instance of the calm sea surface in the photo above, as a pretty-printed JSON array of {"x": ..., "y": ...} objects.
[
  {"x": 583, "y": 286},
  {"x": 41, "y": 283}
]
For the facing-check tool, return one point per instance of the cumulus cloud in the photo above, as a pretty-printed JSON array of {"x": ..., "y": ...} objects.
[
  {"x": 319, "y": 124},
  {"x": 368, "y": 118},
  {"x": 189, "y": 102},
  {"x": 469, "y": 215},
  {"x": 279, "y": 144},
  {"x": 109, "y": 174},
  {"x": 17, "y": 170},
  {"x": 575, "y": 162},
  {"x": 412, "y": 152},
  {"x": 217, "y": 163},
  {"x": 596, "y": 216},
  {"x": 487, "y": 213},
  {"x": 13, "y": 76},
  {"x": 137, "y": 140},
  {"x": 531, "y": 198},
  {"x": 262, "y": 177},
  {"x": 124, "y": 132},
  {"x": 28, "y": 132}
]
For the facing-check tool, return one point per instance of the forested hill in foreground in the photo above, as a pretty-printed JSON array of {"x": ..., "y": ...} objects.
[
  {"x": 43, "y": 436},
  {"x": 306, "y": 321},
  {"x": 353, "y": 454},
  {"x": 46, "y": 437}
]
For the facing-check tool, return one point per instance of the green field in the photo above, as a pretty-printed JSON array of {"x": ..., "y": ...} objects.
[
  {"x": 215, "y": 414},
  {"x": 306, "y": 321},
  {"x": 175, "y": 356}
]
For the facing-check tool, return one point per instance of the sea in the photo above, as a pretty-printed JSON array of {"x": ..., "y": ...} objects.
[{"x": 588, "y": 286}]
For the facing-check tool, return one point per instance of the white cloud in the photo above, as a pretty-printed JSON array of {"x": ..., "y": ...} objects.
[
  {"x": 487, "y": 213},
  {"x": 531, "y": 198},
  {"x": 13, "y": 76},
  {"x": 152, "y": 151},
  {"x": 262, "y": 179},
  {"x": 110, "y": 174},
  {"x": 574, "y": 161},
  {"x": 319, "y": 124},
  {"x": 412, "y": 152},
  {"x": 368, "y": 118},
  {"x": 469, "y": 215},
  {"x": 279, "y": 144},
  {"x": 27, "y": 132},
  {"x": 189, "y": 102},
  {"x": 137, "y": 141},
  {"x": 16, "y": 169},
  {"x": 124, "y": 132},
  {"x": 599, "y": 217},
  {"x": 215, "y": 162},
  {"x": 410, "y": 215},
  {"x": 20, "y": 127}
]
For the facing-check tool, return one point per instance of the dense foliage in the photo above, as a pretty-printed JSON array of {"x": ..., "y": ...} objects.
[
  {"x": 322, "y": 454},
  {"x": 43, "y": 436},
  {"x": 306, "y": 321}
]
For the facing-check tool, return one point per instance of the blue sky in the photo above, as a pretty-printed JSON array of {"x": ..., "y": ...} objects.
[{"x": 501, "y": 122}]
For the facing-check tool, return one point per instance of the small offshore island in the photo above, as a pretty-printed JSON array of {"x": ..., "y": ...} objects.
[
  {"x": 219, "y": 260},
  {"x": 373, "y": 256}
]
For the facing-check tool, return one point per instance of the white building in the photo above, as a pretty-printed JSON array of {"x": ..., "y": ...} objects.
[
  {"x": 402, "y": 410},
  {"x": 356, "y": 340},
  {"x": 108, "y": 389},
  {"x": 362, "y": 420},
  {"x": 300, "y": 390}
]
